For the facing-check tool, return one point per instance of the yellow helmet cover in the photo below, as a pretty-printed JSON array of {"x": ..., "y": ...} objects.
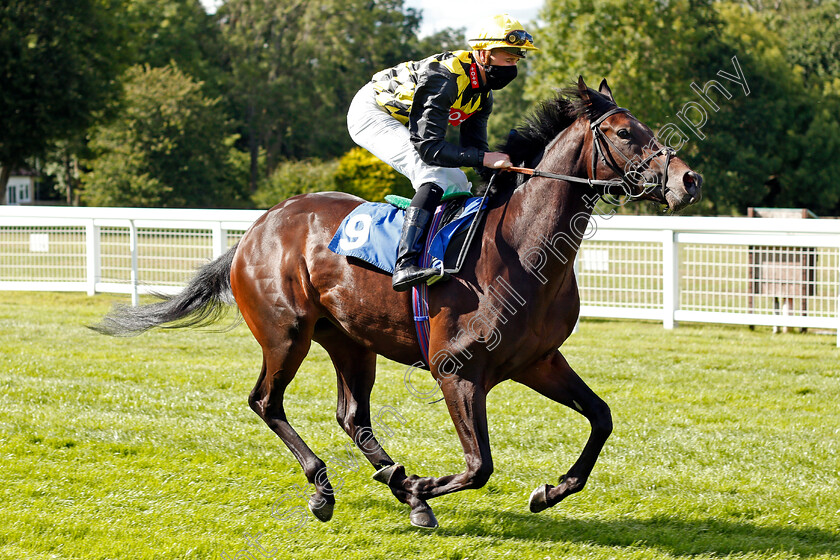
[{"x": 503, "y": 32}]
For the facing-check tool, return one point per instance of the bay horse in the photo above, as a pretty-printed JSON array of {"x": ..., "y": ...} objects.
[{"x": 291, "y": 289}]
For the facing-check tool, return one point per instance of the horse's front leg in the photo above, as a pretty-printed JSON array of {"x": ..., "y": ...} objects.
[
  {"x": 554, "y": 378},
  {"x": 467, "y": 404}
]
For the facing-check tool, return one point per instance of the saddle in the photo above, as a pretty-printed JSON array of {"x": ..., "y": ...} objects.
[
  {"x": 402, "y": 202},
  {"x": 371, "y": 232}
]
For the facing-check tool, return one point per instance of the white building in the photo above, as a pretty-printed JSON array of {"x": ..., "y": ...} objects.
[{"x": 21, "y": 187}]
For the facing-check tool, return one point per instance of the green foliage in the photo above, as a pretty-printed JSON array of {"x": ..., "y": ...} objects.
[
  {"x": 363, "y": 174},
  {"x": 291, "y": 178},
  {"x": 746, "y": 143},
  {"x": 161, "y": 32},
  {"x": 780, "y": 147},
  {"x": 813, "y": 183},
  {"x": 449, "y": 39},
  {"x": 59, "y": 60},
  {"x": 168, "y": 147},
  {"x": 284, "y": 72},
  {"x": 772, "y": 147},
  {"x": 296, "y": 65},
  {"x": 811, "y": 34},
  {"x": 648, "y": 51},
  {"x": 810, "y": 45}
]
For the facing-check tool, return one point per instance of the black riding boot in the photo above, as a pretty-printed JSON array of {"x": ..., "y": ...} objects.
[{"x": 417, "y": 219}]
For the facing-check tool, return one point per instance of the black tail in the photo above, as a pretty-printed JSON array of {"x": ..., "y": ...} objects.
[{"x": 204, "y": 301}]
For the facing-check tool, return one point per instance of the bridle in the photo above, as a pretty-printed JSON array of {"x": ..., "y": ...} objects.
[
  {"x": 598, "y": 137},
  {"x": 600, "y": 153}
]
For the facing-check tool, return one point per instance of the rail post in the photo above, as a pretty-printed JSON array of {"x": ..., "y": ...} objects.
[
  {"x": 135, "y": 288},
  {"x": 837, "y": 308},
  {"x": 670, "y": 278},
  {"x": 93, "y": 260},
  {"x": 219, "y": 240}
]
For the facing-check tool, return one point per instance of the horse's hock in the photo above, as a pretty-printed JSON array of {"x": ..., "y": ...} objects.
[{"x": 783, "y": 273}]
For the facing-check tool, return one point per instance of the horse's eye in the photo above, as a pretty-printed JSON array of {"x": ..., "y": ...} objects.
[{"x": 624, "y": 133}]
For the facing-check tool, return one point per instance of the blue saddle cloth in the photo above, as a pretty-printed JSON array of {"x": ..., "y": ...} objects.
[{"x": 371, "y": 232}]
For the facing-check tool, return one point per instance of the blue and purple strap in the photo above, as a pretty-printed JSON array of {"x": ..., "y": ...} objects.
[{"x": 419, "y": 294}]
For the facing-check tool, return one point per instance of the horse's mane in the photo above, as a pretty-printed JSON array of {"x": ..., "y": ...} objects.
[{"x": 526, "y": 143}]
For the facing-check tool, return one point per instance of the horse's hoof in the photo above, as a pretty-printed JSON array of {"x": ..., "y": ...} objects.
[
  {"x": 423, "y": 517},
  {"x": 321, "y": 508},
  {"x": 385, "y": 474},
  {"x": 539, "y": 499}
]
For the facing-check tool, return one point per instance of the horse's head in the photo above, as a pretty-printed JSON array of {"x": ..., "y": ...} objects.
[{"x": 625, "y": 149}]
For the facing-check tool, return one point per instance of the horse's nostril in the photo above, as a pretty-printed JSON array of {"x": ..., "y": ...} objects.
[{"x": 691, "y": 180}]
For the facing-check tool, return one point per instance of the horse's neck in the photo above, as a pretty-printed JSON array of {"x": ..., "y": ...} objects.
[{"x": 551, "y": 215}]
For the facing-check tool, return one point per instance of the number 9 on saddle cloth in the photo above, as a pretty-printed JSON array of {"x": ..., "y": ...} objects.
[{"x": 371, "y": 232}]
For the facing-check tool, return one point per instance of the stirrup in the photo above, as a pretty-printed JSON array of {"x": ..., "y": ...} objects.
[
  {"x": 419, "y": 275},
  {"x": 438, "y": 264}
]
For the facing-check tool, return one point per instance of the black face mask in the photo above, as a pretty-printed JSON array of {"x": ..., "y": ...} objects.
[{"x": 499, "y": 76}]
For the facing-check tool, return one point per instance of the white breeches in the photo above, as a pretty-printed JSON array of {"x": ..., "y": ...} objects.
[{"x": 372, "y": 128}]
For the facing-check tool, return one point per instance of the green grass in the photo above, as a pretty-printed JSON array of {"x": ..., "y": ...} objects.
[{"x": 726, "y": 445}]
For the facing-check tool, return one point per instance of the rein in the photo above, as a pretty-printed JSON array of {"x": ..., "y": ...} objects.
[
  {"x": 571, "y": 179},
  {"x": 598, "y": 138}
]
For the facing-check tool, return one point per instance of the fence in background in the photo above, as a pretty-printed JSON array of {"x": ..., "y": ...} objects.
[
  {"x": 112, "y": 250},
  {"x": 773, "y": 272}
]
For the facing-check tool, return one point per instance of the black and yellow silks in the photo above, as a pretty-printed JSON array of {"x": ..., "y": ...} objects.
[{"x": 428, "y": 95}]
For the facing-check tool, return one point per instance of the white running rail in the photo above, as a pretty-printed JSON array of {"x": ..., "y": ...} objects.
[{"x": 747, "y": 271}]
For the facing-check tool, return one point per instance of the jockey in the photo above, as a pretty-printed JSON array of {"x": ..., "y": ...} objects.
[{"x": 401, "y": 117}]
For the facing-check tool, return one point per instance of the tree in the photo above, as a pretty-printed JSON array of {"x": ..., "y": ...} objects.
[
  {"x": 510, "y": 106},
  {"x": 786, "y": 149},
  {"x": 291, "y": 178},
  {"x": 59, "y": 60},
  {"x": 363, "y": 174},
  {"x": 161, "y": 32},
  {"x": 809, "y": 33},
  {"x": 447, "y": 39},
  {"x": 295, "y": 66},
  {"x": 656, "y": 56},
  {"x": 648, "y": 51},
  {"x": 167, "y": 147}
]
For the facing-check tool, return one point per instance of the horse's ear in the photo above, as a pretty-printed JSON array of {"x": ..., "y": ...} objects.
[
  {"x": 584, "y": 91},
  {"x": 605, "y": 89}
]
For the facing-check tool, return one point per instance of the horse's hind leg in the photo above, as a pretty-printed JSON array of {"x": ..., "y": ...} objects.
[
  {"x": 554, "y": 378},
  {"x": 355, "y": 369},
  {"x": 282, "y": 357},
  {"x": 467, "y": 406}
]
